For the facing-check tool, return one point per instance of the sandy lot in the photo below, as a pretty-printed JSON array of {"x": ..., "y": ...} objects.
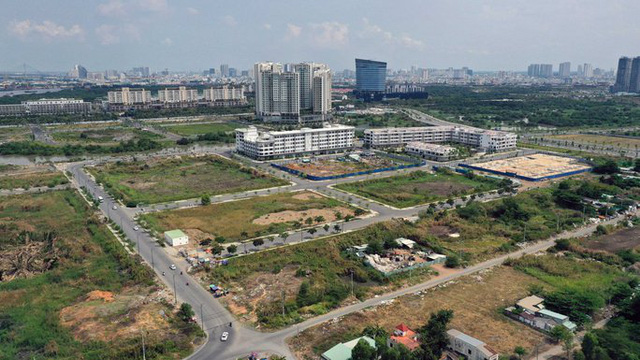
[
  {"x": 535, "y": 166},
  {"x": 289, "y": 215}
]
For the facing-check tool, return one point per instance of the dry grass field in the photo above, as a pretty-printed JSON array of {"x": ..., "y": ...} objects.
[
  {"x": 13, "y": 177},
  {"x": 476, "y": 302},
  {"x": 623, "y": 142}
]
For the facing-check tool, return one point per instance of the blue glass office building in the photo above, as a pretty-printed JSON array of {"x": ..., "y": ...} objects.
[{"x": 370, "y": 75}]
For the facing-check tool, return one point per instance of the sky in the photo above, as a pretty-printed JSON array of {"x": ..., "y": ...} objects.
[{"x": 180, "y": 35}]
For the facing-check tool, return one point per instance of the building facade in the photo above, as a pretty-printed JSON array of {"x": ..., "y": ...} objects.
[
  {"x": 127, "y": 96},
  {"x": 430, "y": 151},
  {"x": 623, "y": 76},
  {"x": 179, "y": 95},
  {"x": 634, "y": 77},
  {"x": 282, "y": 96},
  {"x": 564, "y": 71},
  {"x": 470, "y": 347},
  {"x": 224, "y": 93},
  {"x": 273, "y": 144},
  {"x": 371, "y": 75},
  {"x": 46, "y": 107},
  {"x": 488, "y": 140}
]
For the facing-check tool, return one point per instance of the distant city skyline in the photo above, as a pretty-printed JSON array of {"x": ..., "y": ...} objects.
[{"x": 196, "y": 35}]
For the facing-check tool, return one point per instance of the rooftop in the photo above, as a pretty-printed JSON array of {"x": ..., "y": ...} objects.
[
  {"x": 174, "y": 233},
  {"x": 342, "y": 351}
]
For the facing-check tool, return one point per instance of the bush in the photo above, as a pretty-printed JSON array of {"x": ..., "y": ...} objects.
[{"x": 452, "y": 261}]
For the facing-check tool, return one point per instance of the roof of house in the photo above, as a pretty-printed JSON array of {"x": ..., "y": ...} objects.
[
  {"x": 402, "y": 327},
  {"x": 174, "y": 233},
  {"x": 410, "y": 342},
  {"x": 554, "y": 315},
  {"x": 532, "y": 303},
  {"x": 480, "y": 345},
  {"x": 342, "y": 351},
  {"x": 405, "y": 242}
]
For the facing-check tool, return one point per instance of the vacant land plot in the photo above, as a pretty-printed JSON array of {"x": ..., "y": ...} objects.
[
  {"x": 536, "y": 166},
  {"x": 340, "y": 166},
  {"x": 179, "y": 178},
  {"x": 419, "y": 187},
  {"x": 259, "y": 281},
  {"x": 475, "y": 301},
  {"x": 13, "y": 177},
  {"x": 624, "y": 142},
  {"x": 104, "y": 136},
  {"x": 65, "y": 283},
  {"x": 204, "y": 128},
  {"x": 10, "y": 134},
  {"x": 363, "y": 121},
  {"x": 626, "y": 239},
  {"x": 257, "y": 216}
]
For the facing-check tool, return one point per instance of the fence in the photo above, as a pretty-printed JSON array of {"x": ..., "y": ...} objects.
[
  {"x": 341, "y": 176},
  {"x": 527, "y": 178}
]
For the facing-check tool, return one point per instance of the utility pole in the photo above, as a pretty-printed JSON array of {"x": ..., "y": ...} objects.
[
  {"x": 175, "y": 294},
  {"x": 201, "y": 317},
  {"x": 352, "y": 294},
  {"x": 282, "y": 302},
  {"x": 144, "y": 352},
  {"x": 152, "y": 264}
]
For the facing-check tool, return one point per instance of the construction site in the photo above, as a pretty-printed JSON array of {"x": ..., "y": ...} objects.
[{"x": 535, "y": 167}]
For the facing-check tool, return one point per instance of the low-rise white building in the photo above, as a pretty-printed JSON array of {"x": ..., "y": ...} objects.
[
  {"x": 47, "y": 107},
  {"x": 470, "y": 347},
  {"x": 176, "y": 238},
  {"x": 488, "y": 140},
  {"x": 271, "y": 144},
  {"x": 430, "y": 151}
]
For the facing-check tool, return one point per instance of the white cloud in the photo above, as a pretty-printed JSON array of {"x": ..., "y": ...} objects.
[
  {"x": 193, "y": 11},
  {"x": 110, "y": 34},
  {"x": 229, "y": 20},
  {"x": 107, "y": 34},
  {"x": 154, "y": 5},
  {"x": 330, "y": 34},
  {"x": 112, "y": 8},
  {"x": 167, "y": 41},
  {"x": 267, "y": 26},
  {"x": 293, "y": 31},
  {"x": 47, "y": 30},
  {"x": 372, "y": 31}
]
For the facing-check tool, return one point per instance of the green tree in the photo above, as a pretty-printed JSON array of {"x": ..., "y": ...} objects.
[
  {"x": 520, "y": 351},
  {"x": 220, "y": 239},
  {"x": 433, "y": 336},
  {"x": 216, "y": 249},
  {"x": 186, "y": 312},
  {"x": 205, "y": 199},
  {"x": 375, "y": 247},
  {"x": 231, "y": 249},
  {"x": 559, "y": 333},
  {"x": 589, "y": 345},
  {"x": 258, "y": 242},
  {"x": 453, "y": 261},
  {"x": 363, "y": 351}
]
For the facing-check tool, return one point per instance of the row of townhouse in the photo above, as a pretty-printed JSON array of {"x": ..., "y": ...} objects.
[
  {"x": 46, "y": 107},
  {"x": 223, "y": 95},
  {"x": 272, "y": 144},
  {"x": 488, "y": 140}
]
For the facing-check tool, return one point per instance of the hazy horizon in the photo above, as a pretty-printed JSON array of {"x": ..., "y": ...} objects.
[{"x": 190, "y": 35}]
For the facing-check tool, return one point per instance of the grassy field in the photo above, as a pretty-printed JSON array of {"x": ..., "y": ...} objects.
[
  {"x": 180, "y": 178},
  {"x": 27, "y": 180},
  {"x": 105, "y": 136},
  {"x": 197, "y": 129},
  {"x": 257, "y": 216},
  {"x": 14, "y": 134},
  {"x": 419, "y": 187},
  {"x": 623, "y": 142},
  {"x": 69, "y": 258}
]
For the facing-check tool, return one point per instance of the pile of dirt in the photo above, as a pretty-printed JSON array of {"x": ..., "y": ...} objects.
[
  {"x": 306, "y": 196},
  {"x": 104, "y": 316}
]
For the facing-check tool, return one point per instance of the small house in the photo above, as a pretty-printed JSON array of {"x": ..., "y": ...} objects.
[
  {"x": 176, "y": 238},
  {"x": 532, "y": 304},
  {"x": 407, "y": 243},
  {"x": 470, "y": 347},
  {"x": 405, "y": 336},
  {"x": 558, "y": 319},
  {"x": 343, "y": 351}
]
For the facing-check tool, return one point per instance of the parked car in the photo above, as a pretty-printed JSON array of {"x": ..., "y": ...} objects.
[
  {"x": 172, "y": 267},
  {"x": 225, "y": 336}
]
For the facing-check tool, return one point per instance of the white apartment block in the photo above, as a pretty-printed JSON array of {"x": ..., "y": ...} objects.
[
  {"x": 488, "y": 140},
  {"x": 430, "y": 151},
  {"x": 46, "y": 107},
  {"x": 179, "y": 95},
  {"x": 271, "y": 144},
  {"x": 322, "y": 91},
  {"x": 283, "y": 91},
  {"x": 127, "y": 96},
  {"x": 224, "y": 92}
]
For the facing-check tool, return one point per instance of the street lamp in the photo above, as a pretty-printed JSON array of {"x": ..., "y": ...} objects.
[{"x": 175, "y": 294}]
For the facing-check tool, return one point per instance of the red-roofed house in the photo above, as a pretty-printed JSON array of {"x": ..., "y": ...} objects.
[{"x": 405, "y": 336}]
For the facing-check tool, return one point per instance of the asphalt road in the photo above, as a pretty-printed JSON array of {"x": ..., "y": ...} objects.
[{"x": 215, "y": 318}]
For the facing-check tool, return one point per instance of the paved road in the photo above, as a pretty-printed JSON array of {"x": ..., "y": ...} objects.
[{"x": 215, "y": 318}]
